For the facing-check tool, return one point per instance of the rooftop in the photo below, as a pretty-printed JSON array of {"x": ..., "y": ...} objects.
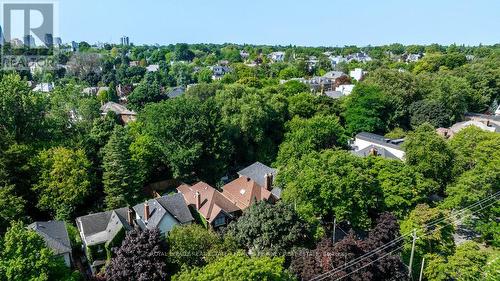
[{"x": 55, "y": 235}]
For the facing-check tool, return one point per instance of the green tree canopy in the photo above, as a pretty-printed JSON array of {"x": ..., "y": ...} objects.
[
  {"x": 269, "y": 229},
  {"x": 429, "y": 154},
  {"x": 366, "y": 109},
  {"x": 434, "y": 232},
  {"x": 190, "y": 244},
  {"x": 121, "y": 178},
  {"x": 187, "y": 137},
  {"x": 307, "y": 135},
  {"x": 330, "y": 183},
  {"x": 238, "y": 267},
  {"x": 402, "y": 187},
  {"x": 63, "y": 182}
]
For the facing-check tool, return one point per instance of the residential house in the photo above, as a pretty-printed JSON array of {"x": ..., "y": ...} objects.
[
  {"x": 55, "y": 235},
  {"x": 411, "y": 57},
  {"x": 366, "y": 144},
  {"x": 360, "y": 57},
  {"x": 134, "y": 63},
  {"x": 153, "y": 68},
  {"x": 357, "y": 74},
  {"x": 218, "y": 71},
  {"x": 92, "y": 91},
  {"x": 212, "y": 207},
  {"x": 335, "y": 60},
  {"x": 277, "y": 56},
  {"x": 316, "y": 83},
  {"x": 345, "y": 89},
  {"x": 123, "y": 91},
  {"x": 44, "y": 87},
  {"x": 163, "y": 213},
  {"x": 244, "y": 191},
  {"x": 244, "y": 54},
  {"x": 483, "y": 122},
  {"x": 125, "y": 115},
  {"x": 312, "y": 61},
  {"x": 102, "y": 231},
  {"x": 263, "y": 176},
  {"x": 334, "y": 75},
  {"x": 176, "y": 92}
]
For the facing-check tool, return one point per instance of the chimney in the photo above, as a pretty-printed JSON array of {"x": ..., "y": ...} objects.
[
  {"x": 268, "y": 181},
  {"x": 487, "y": 123},
  {"x": 373, "y": 151},
  {"x": 146, "y": 211},
  {"x": 198, "y": 200},
  {"x": 130, "y": 217}
]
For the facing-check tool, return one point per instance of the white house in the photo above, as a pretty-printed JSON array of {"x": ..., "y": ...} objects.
[
  {"x": 345, "y": 89},
  {"x": 152, "y": 68},
  {"x": 44, "y": 87},
  {"x": 277, "y": 56},
  {"x": 357, "y": 74},
  {"x": 366, "y": 144}
]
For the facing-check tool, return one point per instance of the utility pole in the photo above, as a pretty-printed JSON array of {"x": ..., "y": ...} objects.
[
  {"x": 421, "y": 269},
  {"x": 334, "y": 226},
  {"x": 414, "y": 234}
]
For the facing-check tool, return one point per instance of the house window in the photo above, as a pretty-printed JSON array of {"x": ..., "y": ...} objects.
[{"x": 220, "y": 221}]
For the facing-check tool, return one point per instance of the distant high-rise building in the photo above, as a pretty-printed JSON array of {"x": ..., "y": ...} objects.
[
  {"x": 48, "y": 40},
  {"x": 2, "y": 39},
  {"x": 125, "y": 41},
  {"x": 29, "y": 41}
]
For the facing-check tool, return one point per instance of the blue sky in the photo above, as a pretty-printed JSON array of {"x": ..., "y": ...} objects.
[{"x": 308, "y": 23}]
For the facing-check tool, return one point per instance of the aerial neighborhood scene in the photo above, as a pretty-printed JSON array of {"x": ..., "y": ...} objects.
[{"x": 266, "y": 140}]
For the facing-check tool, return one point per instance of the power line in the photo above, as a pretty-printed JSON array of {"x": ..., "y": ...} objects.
[
  {"x": 381, "y": 257},
  {"x": 390, "y": 243}
]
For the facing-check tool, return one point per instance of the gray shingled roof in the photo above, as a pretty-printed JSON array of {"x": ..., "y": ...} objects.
[
  {"x": 177, "y": 207},
  {"x": 159, "y": 207},
  {"x": 55, "y": 235},
  {"x": 176, "y": 92},
  {"x": 256, "y": 172},
  {"x": 378, "y": 139},
  {"x": 102, "y": 227}
]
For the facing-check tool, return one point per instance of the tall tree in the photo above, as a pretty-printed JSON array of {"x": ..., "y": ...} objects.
[
  {"x": 366, "y": 109},
  {"x": 330, "y": 183},
  {"x": 429, "y": 154},
  {"x": 402, "y": 187},
  {"x": 63, "y": 182},
  {"x": 269, "y": 229},
  {"x": 13, "y": 205},
  {"x": 121, "y": 179},
  {"x": 187, "y": 136},
  {"x": 21, "y": 111},
  {"x": 140, "y": 257},
  {"x": 434, "y": 232},
  {"x": 304, "y": 136}
]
